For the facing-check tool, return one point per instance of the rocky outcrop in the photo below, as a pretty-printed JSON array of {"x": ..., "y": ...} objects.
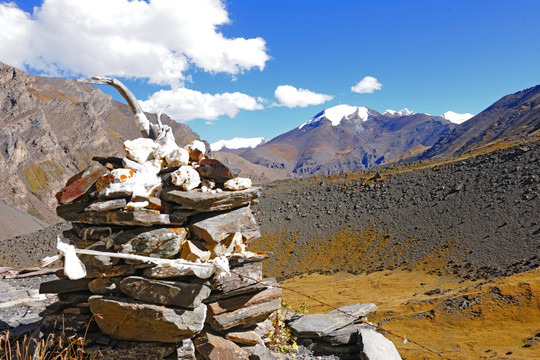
[{"x": 47, "y": 129}]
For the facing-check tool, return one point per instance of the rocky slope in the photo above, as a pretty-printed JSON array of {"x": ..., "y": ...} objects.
[
  {"x": 474, "y": 216},
  {"x": 513, "y": 116},
  {"x": 347, "y": 138},
  {"x": 48, "y": 128}
]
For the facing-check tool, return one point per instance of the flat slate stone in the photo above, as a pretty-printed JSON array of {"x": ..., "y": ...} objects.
[
  {"x": 160, "y": 242},
  {"x": 187, "y": 295},
  {"x": 242, "y": 276},
  {"x": 131, "y": 350},
  {"x": 128, "y": 217},
  {"x": 63, "y": 286},
  {"x": 213, "y": 347},
  {"x": 107, "y": 205},
  {"x": 374, "y": 346},
  {"x": 103, "y": 285},
  {"x": 244, "y": 317},
  {"x": 218, "y": 227},
  {"x": 318, "y": 325},
  {"x": 127, "y": 319},
  {"x": 79, "y": 184},
  {"x": 238, "y": 302},
  {"x": 207, "y": 201},
  {"x": 347, "y": 335}
]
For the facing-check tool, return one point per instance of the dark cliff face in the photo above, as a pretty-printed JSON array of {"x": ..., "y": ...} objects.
[
  {"x": 513, "y": 116},
  {"x": 49, "y": 131}
]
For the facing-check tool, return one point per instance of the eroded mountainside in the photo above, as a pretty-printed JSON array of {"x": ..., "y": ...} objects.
[
  {"x": 48, "y": 128},
  {"x": 474, "y": 216}
]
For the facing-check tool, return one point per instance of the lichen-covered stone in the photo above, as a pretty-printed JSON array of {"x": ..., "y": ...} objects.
[{"x": 161, "y": 242}]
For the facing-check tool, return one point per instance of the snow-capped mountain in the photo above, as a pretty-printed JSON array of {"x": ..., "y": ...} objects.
[
  {"x": 337, "y": 113},
  {"x": 348, "y": 138},
  {"x": 237, "y": 143},
  {"x": 456, "y": 118},
  {"x": 402, "y": 112}
]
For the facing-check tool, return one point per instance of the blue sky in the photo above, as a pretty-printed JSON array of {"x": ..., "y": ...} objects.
[{"x": 428, "y": 56}]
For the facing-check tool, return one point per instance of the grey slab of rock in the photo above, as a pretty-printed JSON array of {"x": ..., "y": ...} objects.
[
  {"x": 187, "y": 295},
  {"x": 318, "y": 325},
  {"x": 207, "y": 201},
  {"x": 63, "y": 286},
  {"x": 107, "y": 205},
  {"x": 345, "y": 336},
  {"x": 127, "y": 319},
  {"x": 131, "y": 350},
  {"x": 260, "y": 286},
  {"x": 259, "y": 352},
  {"x": 237, "y": 302},
  {"x": 213, "y": 347},
  {"x": 185, "y": 350},
  {"x": 169, "y": 272},
  {"x": 157, "y": 242},
  {"x": 14, "y": 295},
  {"x": 374, "y": 346},
  {"x": 218, "y": 227},
  {"x": 244, "y": 317},
  {"x": 241, "y": 276},
  {"x": 130, "y": 218}
]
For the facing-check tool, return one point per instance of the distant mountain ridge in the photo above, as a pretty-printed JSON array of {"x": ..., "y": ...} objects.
[
  {"x": 348, "y": 138},
  {"x": 513, "y": 116}
]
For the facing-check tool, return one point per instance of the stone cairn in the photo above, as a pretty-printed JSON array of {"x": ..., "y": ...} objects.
[{"x": 166, "y": 273}]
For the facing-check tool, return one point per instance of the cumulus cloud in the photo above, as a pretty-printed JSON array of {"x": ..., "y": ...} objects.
[
  {"x": 367, "y": 85},
  {"x": 159, "y": 40},
  {"x": 290, "y": 96},
  {"x": 186, "y": 104}
]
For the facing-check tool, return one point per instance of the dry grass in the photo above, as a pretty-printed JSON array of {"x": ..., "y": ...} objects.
[{"x": 459, "y": 319}]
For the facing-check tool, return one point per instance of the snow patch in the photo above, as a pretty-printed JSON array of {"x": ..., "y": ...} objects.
[
  {"x": 402, "y": 112},
  {"x": 456, "y": 118},
  {"x": 337, "y": 113},
  {"x": 238, "y": 143}
]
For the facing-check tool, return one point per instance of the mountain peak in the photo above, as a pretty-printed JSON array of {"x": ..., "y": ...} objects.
[
  {"x": 402, "y": 112},
  {"x": 238, "y": 143},
  {"x": 337, "y": 113}
]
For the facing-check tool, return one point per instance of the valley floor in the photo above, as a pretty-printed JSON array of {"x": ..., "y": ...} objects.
[{"x": 456, "y": 318}]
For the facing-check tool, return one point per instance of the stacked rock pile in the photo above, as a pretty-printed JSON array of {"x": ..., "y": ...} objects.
[{"x": 166, "y": 272}]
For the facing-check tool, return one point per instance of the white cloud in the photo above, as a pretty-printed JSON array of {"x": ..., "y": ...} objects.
[
  {"x": 367, "y": 85},
  {"x": 290, "y": 96},
  {"x": 186, "y": 104},
  {"x": 159, "y": 40}
]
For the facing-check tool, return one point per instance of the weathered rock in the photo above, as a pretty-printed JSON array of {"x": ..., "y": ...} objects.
[
  {"x": 263, "y": 328},
  {"x": 63, "y": 286},
  {"x": 154, "y": 242},
  {"x": 103, "y": 286},
  {"x": 129, "y": 218},
  {"x": 177, "y": 157},
  {"x": 131, "y": 350},
  {"x": 213, "y": 347},
  {"x": 374, "y": 346},
  {"x": 208, "y": 201},
  {"x": 166, "y": 272},
  {"x": 318, "y": 325},
  {"x": 109, "y": 271},
  {"x": 244, "y": 317},
  {"x": 185, "y": 350},
  {"x": 127, "y": 319},
  {"x": 238, "y": 302},
  {"x": 140, "y": 149},
  {"x": 219, "y": 227},
  {"x": 186, "y": 177},
  {"x": 106, "y": 205},
  {"x": 237, "y": 184},
  {"x": 327, "y": 349},
  {"x": 214, "y": 169},
  {"x": 249, "y": 338},
  {"x": 259, "y": 352},
  {"x": 79, "y": 184},
  {"x": 192, "y": 252},
  {"x": 73, "y": 322},
  {"x": 187, "y": 295},
  {"x": 241, "y": 277},
  {"x": 347, "y": 335}
]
